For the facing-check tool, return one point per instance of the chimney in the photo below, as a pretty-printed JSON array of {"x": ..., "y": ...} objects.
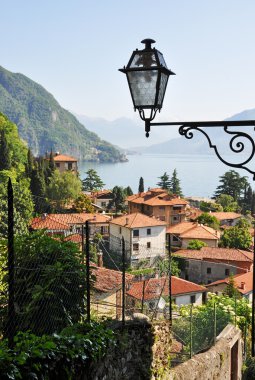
[
  {"x": 100, "y": 259},
  {"x": 242, "y": 285}
]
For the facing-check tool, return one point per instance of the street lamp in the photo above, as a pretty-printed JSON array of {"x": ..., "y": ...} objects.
[{"x": 147, "y": 76}]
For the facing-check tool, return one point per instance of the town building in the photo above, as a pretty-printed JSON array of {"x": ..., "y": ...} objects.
[
  {"x": 227, "y": 218},
  {"x": 159, "y": 204},
  {"x": 101, "y": 199},
  {"x": 209, "y": 264},
  {"x": 65, "y": 163},
  {"x": 182, "y": 233},
  {"x": 154, "y": 291},
  {"x": 144, "y": 237}
]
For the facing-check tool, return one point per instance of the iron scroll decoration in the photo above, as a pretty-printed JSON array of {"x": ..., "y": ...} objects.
[{"x": 236, "y": 146}]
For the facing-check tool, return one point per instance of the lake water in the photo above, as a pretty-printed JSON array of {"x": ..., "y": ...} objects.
[{"x": 198, "y": 174}]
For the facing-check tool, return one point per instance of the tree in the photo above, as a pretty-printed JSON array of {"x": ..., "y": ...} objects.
[
  {"x": 196, "y": 244},
  {"x": 63, "y": 188},
  {"x": 228, "y": 203},
  {"x": 5, "y": 156},
  {"x": 210, "y": 206},
  {"x": 49, "y": 284},
  {"x": 209, "y": 220},
  {"x": 231, "y": 183},
  {"x": 92, "y": 182},
  {"x": 236, "y": 237},
  {"x": 52, "y": 165},
  {"x": 128, "y": 191},
  {"x": 118, "y": 199},
  {"x": 38, "y": 189},
  {"x": 231, "y": 289},
  {"x": 164, "y": 182},
  {"x": 141, "y": 185},
  {"x": 83, "y": 204},
  {"x": 175, "y": 186}
]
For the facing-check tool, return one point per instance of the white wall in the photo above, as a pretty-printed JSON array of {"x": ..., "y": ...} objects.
[{"x": 185, "y": 299}]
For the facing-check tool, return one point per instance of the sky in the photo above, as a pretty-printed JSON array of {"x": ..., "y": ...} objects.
[{"x": 75, "y": 48}]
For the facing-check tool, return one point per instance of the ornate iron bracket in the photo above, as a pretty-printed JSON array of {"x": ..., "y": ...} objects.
[{"x": 235, "y": 144}]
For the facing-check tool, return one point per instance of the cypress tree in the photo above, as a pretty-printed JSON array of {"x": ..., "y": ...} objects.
[
  {"x": 29, "y": 164},
  {"x": 5, "y": 156},
  {"x": 52, "y": 165},
  {"x": 141, "y": 185},
  {"x": 38, "y": 189},
  {"x": 175, "y": 186}
]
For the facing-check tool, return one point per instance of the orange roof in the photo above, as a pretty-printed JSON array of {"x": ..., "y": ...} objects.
[
  {"x": 216, "y": 254},
  {"x": 153, "y": 288},
  {"x": 108, "y": 279},
  {"x": 225, "y": 215},
  {"x": 201, "y": 232},
  {"x": 243, "y": 282},
  {"x": 156, "y": 197},
  {"x": 64, "y": 158},
  {"x": 136, "y": 220},
  {"x": 180, "y": 228},
  {"x": 48, "y": 223},
  {"x": 75, "y": 238}
]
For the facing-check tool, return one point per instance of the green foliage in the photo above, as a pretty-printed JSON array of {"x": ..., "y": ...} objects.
[
  {"x": 231, "y": 289},
  {"x": 92, "y": 182},
  {"x": 49, "y": 284},
  {"x": 175, "y": 186},
  {"x": 45, "y": 125},
  {"x": 209, "y": 220},
  {"x": 128, "y": 191},
  {"x": 118, "y": 199},
  {"x": 196, "y": 244},
  {"x": 228, "y": 203},
  {"x": 210, "y": 206},
  {"x": 58, "y": 357},
  {"x": 83, "y": 204},
  {"x": 231, "y": 183},
  {"x": 141, "y": 185},
  {"x": 236, "y": 237},
  {"x": 164, "y": 182},
  {"x": 63, "y": 187},
  {"x": 5, "y": 157}
]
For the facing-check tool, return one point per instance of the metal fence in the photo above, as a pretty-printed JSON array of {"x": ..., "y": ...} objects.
[{"x": 54, "y": 278}]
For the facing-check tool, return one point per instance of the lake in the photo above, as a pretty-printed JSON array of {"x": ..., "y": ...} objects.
[{"x": 198, "y": 174}]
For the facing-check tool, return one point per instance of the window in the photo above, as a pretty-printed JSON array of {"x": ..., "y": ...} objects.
[
  {"x": 135, "y": 247},
  {"x": 192, "y": 299},
  {"x": 148, "y": 231},
  {"x": 135, "y": 233},
  {"x": 120, "y": 230},
  {"x": 227, "y": 272},
  {"x": 148, "y": 244},
  {"x": 70, "y": 166},
  {"x": 57, "y": 164},
  {"x": 209, "y": 282},
  {"x": 186, "y": 277},
  {"x": 162, "y": 207},
  {"x": 209, "y": 270},
  {"x": 175, "y": 238},
  {"x": 103, "y": 204}
]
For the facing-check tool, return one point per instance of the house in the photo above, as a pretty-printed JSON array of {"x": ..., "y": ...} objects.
[
  {"x": 101, "y": 199},
  {"x": 159, "y": 204},
  {"x": 182, "y": 233},
  {"x": 68, "y": 224},
  {"x": 107, "y": 291},
  {"x": 65, "y": 163},
  {"x": 209, "y": 264},
  {"x": 243, "y": 283},
  {"x": 227, "y": 218},
  {"x": 145, "y": 237},
  {"x": 153, "y": 292}
]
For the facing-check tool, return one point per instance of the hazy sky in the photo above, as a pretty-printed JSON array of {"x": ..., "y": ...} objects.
[{"x": 74, "y": 49}]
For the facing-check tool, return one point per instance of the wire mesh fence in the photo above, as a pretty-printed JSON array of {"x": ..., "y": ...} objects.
[{"x": 59, "y": 268}]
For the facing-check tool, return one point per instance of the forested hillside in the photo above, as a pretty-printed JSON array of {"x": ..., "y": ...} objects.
[{"x": 45, "y": 125}]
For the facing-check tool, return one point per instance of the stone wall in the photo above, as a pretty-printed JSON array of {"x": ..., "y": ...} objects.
[
  {"x": 142, "y": 352},
  {"x": 222, "y": 362}
]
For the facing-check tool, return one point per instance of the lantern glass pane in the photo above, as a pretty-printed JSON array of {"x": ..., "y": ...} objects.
[
  {"x": 144, "y": 59},
  {"x": 162, "y": 88},
  {"x": 143, "y": 87},
  {"x": 161, "y": 60}
]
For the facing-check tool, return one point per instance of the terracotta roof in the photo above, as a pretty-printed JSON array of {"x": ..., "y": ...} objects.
[
  {"x": 108, "y": 279},
  {"x": 222, "y": 254},
  {"x": 64, "y": 158},
  {"x": 48, "y": 223},
  {"x": 157, "y": 197},
  {"x": 225, "y": 215},
  {"x": 243, "y": 282},
  {"x": 154, "y": 286},
  {"x": 136, "y": 220},
  {"x": 75, "y": 238},
  {"x": 190, "y": 230}
]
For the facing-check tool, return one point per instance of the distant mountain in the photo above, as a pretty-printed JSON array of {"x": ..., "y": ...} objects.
[
  {"x": 199, "y": 144},
  {"x": 45, "y": 125}
]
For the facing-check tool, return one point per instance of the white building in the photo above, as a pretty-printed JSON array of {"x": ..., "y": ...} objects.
[{"x": 145, "y": 237}]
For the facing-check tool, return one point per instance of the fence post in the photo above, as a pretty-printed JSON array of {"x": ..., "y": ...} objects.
[
  {"x": 123, "y": 282},
  {"x": 143, "y": 296},
  {"x": 235, "y": 310},
  {"x": 170, "y": 278},
  {"x": 191, "y": 331},
  {"x": 11, "y": 321},
  {"x": 214, "y": 322},
  {"x": 87, "y": 270}
]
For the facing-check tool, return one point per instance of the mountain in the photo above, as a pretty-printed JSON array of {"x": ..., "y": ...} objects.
[
  {"x": 45, "y": 125},
  {"x": 199, "y": 144},
  {"x": 124, "y": 132}
]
